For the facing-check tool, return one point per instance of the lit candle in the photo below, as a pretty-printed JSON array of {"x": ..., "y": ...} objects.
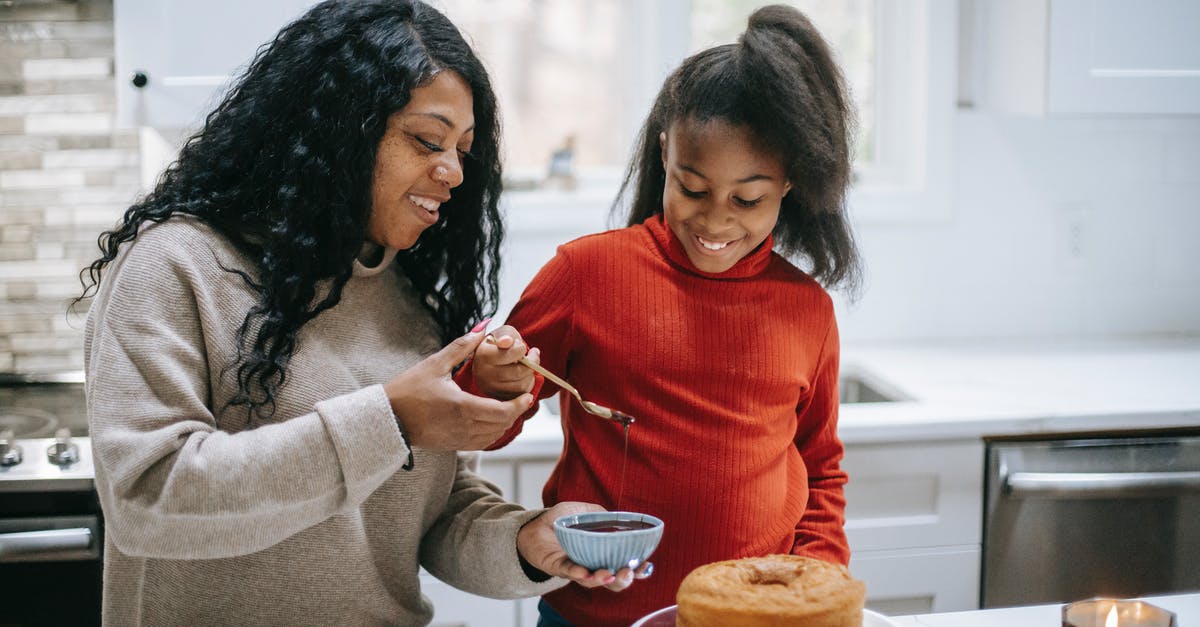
[{"x": 1115, "y": 613}]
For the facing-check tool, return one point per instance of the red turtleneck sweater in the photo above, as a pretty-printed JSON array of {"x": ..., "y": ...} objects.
[{"x": 732, "y": 379}]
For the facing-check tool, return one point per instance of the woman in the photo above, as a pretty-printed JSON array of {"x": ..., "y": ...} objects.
[{"x": 257, "y": 457}]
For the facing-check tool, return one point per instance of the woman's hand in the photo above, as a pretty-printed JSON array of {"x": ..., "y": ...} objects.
[
  {"x": 497, "y": 373},
  {"x": 438, "y": 415},
  {"x": 539, "y": 546}
]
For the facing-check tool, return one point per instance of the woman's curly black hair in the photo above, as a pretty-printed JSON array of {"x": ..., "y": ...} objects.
[
  {"x": 283, "y": 168},
  {"x": 779, "y": 81}
]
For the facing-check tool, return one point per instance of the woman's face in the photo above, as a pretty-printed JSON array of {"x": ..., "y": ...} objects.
[
  {"x": 722, "y": 193},
  {"x": 420, "y": 159}
]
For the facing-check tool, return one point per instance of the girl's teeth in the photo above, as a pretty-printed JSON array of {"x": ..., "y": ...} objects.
[{"x": 712, "y": 245}]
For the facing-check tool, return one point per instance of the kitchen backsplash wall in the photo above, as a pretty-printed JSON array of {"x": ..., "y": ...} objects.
[
  {"x": 1061, "y": 228},
  {"x": 66, "y": 173}
]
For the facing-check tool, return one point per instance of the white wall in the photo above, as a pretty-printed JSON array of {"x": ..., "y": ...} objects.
[{"x": 1060, "y": 228}]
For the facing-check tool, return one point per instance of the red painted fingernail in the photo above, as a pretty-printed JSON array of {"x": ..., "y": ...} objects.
[{"x": 481, "y": 326}]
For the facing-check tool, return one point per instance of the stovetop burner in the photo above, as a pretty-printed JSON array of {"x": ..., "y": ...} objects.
[
  {"x": 36, "y": 406},
  {"x": 27, "y": 422}
]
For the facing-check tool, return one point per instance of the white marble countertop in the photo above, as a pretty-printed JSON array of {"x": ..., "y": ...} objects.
[
  {"x": 1185, "y": 606},
  {"x": 971, "y": 390}
]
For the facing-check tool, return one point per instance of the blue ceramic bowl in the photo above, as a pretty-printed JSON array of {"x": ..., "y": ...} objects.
[{"x": 598, "y": 540}]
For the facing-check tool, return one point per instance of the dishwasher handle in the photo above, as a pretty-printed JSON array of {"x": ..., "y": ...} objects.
[
  {"x": 1098, "y": 484},
  {"x": 27, "y": 545}
]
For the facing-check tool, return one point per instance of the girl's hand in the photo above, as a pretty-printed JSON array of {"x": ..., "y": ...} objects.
[
  {"x": 497, "y": 373},
  {"x": 539, "y": 546}
]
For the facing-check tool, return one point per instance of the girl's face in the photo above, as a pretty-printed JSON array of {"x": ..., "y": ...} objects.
[
  {"x": 722, "y": 193},
  {"x": 420, "y": 159}
]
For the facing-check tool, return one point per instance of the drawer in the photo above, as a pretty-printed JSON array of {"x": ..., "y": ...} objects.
[
  {"x": 919, "y": 581},
  {"x": 914, "y": 495}
]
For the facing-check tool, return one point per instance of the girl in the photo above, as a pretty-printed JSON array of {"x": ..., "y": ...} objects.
[{"x": 692, "y": 320}]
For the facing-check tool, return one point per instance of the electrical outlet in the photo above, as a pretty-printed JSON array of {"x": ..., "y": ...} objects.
[{"x": 1073, "y": 234}]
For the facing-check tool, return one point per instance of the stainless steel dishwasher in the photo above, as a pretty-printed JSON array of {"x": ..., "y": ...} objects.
[{"x": 1077, "y": 517}]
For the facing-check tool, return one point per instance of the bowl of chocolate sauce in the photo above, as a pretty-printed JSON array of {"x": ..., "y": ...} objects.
[{"x": 608, "y": 540}]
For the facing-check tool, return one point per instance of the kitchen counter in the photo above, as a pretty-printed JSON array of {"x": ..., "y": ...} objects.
[
  {"x": 972, "y": 390},
  {"x": 1185, "y": 606}
]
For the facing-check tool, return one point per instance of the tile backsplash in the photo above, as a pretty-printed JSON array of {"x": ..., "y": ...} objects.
[{"x": 66, "y": 172}]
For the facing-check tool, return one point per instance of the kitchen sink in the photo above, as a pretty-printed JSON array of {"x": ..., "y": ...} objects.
[{"x": 858, "y": 386}]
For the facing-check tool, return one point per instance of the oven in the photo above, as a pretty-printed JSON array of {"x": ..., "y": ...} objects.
[
  {"x": 1075, "y": 517},
  {"x": 51, "y": 528}
]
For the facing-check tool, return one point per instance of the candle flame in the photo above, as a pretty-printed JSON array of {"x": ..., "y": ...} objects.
[{"x": 1111, "y": 620}]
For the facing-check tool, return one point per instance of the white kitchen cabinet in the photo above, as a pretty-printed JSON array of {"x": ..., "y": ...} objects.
[
  {"x": 188, "y": 53},
  {"x": 1065, "y": 57},
  {"x": 913, "y": 520}
]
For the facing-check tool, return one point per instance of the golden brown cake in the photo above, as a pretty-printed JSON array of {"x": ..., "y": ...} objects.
[{"x": 772, "y": 590}]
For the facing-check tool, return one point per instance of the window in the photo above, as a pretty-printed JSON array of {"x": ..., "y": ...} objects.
[{"x": 575, "y": 79}]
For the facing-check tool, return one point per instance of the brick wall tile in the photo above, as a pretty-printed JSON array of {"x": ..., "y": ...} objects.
[
  {"x": 39, "y": 179},
  {"x": 20, "y": 160},
  {"x": 12, "y": 125},
  {"x": 20, "y": 290},
  {"x": 98, "y": 196},
  {"x": 88, "y": 159},
  {"x": 33, "y": 143},
  {"x": 36, "y": 69},
  {"x": 13, "y": 251},
  {"x": 37, "y": 269},
  {"x": 29, "y": 198},
  {"x": 68, "y": 123},
  {"x": 20, "y": 215},
  {"x": 49, "y": 362},
  {"x": 39, "y": 342},
  {"x": 57, "y": 103},
  {"x": 16, "y": 233},
  {"x": 68, "y": 86},
  {"x": 39, "y": 12},
  {"x": 18, "y": 31},
  {"x": 48, "y": 251},
  {"x": 20, "y": 317}
]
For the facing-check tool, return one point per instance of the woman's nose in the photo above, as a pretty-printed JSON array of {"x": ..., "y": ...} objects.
[{"x": 448, "y": 172}]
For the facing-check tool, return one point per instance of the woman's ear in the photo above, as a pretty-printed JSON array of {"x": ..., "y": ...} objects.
[
  {"x": 787, "y": 187},
  {"x": 662, "y": 148}
]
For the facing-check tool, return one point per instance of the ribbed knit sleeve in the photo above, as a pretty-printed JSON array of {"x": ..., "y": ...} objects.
[{"x": 821, "y": 532}]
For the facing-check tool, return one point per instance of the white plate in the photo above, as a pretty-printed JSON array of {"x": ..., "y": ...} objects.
[{"x": 666, "y": 618}]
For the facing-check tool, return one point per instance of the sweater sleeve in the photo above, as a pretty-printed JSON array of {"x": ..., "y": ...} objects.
[
  {"x": 173, "y": 484},
  {"x": 544, "y": 317},
  {"x": 820, "y": 532},
  {"x": 472, "y": 544}
]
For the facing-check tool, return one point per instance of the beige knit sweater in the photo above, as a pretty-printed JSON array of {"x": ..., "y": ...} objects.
[{"x": 306, "y": 520}]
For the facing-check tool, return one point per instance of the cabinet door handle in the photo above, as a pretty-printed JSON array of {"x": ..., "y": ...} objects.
[
  {"x": 25, "y": 544},
  {"x": 1093, "y": 484}
]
